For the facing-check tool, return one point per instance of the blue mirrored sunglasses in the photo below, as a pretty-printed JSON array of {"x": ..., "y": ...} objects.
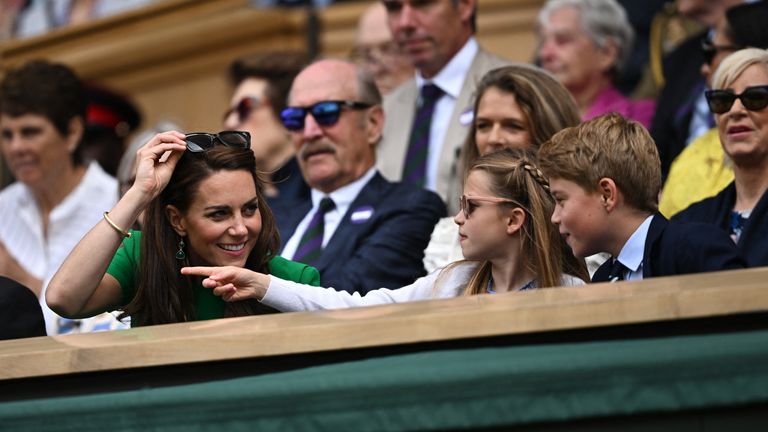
[
  {"x": 325, "y": 113},
  {"x": 198, "y": 142}
]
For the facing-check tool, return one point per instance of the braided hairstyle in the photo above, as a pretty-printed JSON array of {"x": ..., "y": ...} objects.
[{"x": 514, "y": 175}]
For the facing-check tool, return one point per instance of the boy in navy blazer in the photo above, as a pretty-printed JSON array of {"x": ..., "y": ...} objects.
[{"x": 605, "y": 177}]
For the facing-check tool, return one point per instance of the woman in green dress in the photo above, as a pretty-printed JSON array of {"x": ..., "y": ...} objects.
[{"x": 203, "y": 205}]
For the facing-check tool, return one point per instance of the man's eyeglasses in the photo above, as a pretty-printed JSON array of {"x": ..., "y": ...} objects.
[
  {"x": 243, "y": 108},
  {"x": 467, "y": 203},
  {"x": 198, "y": 142},
  {"x": 753, "y": 98},
  {"x": 710, "y": 50},
  {"x": 379, "y": 53},
  {"x": 326, "y": 113}
]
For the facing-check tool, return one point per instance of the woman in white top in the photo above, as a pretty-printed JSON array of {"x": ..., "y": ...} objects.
[
  {"x": 504, "y": 230},
  {"x": 517, "y": 106}
]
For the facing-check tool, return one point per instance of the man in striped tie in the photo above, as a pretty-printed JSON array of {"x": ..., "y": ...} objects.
[{"x": 358, "y": 229}]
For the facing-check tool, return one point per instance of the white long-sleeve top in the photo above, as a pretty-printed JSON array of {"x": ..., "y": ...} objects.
[{"x": 290, "y": 296}]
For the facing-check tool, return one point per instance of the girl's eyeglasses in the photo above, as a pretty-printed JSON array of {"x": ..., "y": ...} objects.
[
  {"x": 243, "y": 108},
  {"x": 753, "y": 98},
  {"x": 326, "y": 113},
  {"x": 467, "y": 205},
  {"x": 198, "y": 142}
]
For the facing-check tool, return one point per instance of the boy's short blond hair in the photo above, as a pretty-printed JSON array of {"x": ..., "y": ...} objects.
[{"x": 607, "y": 146}]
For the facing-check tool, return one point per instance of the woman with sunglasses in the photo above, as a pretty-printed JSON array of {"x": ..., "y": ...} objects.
[
  {"x": 517, "y": 106},
  {"x": 506, "y": 235},
  {"x": 702, "y": 170},
  {"x": 204, "y": 205},
  {"x": 739, "y": 100}
]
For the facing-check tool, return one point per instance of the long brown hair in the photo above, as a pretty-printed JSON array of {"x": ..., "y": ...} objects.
[
  {"x": 163, "y": 295},
  {"x": 547, "y": 105},
  {"x": 514, "y": 175}
]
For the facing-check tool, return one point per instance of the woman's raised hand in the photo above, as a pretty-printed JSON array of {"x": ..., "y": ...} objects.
[
  {"x": 232, "y": 283},
  {"x": 153, "y": 166}
]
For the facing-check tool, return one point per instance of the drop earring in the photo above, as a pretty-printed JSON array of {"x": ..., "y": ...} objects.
[{"x": 180, "y": 255}]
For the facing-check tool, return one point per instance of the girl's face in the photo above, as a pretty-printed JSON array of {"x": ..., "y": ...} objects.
[
  {"x": 500, "y": 122},
  {"x": 223, "y": 221},
  {"x": 483, "y": 234}
]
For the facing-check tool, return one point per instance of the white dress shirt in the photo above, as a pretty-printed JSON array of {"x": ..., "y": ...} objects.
[
  {"x": 342, "y": 198},
  {"x": 631, "y": 254},
  {"x": 450, "y": 80}
]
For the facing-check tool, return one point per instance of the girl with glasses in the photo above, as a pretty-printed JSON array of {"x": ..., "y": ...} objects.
[
  {"x": 739, "y": 100},
  {"x": 516, "y": 106},
  {"x": 203, "y": 204},
  {"x": 506, "y": 235}
]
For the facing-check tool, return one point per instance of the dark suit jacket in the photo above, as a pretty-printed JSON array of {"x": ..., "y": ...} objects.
[
  {"x": 20, "y": 312},
  {"x": 675, "y": 249},
  {"x": 385, "y": 250},
  {"x": 674, "y": 108},
  {"x": 753, "y": 242}
]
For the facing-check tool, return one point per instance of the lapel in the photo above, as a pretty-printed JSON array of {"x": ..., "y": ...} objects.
[
  {"x": 348, "y": 232},
  {"x": 288, "y": 216},
  {"x": 399, "y": 109},
  {"x": 757, "y": 220},
  {"x": 658, "y": 224},
  {"x": 448, "y": 175}
]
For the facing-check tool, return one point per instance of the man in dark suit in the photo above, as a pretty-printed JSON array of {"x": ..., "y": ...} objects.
[
  {"x": 438, "y": 37},
  {"x": 359, "y": 230}
]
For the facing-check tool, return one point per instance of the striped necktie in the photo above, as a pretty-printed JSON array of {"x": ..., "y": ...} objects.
[
  {"x": 311, "y": 244},
  {"x": 617, "y": 271},
  {"x": 415, "y": 167}
]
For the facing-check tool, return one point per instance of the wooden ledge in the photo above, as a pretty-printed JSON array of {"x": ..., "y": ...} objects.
[{"x": 600, "y": 305}]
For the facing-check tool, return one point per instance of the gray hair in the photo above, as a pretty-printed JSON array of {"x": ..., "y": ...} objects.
[
  {"x": 735, "y": 64},
  {"x": 602, "y": 21}
]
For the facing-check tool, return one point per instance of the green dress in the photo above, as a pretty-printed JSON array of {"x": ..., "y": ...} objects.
[{"x": 125, "y": 264}]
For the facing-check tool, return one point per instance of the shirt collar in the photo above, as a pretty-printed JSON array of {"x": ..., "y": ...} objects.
[
  {"x": 344, "y": 195},
  {"x": 451, "y": 77},
  {"x": 631, "y": 254}
]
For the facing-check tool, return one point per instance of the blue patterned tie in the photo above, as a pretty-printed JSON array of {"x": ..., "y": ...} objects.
[
  {"x": 415, "y": 166},
  {"x": 311, "y": 244},
  {"x": 617, "y": 271}
]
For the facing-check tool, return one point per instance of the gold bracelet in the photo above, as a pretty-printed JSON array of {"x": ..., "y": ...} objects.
[{"x": 122, "y": 232}]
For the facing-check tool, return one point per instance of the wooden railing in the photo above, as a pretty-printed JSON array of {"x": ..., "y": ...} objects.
[{"x": 547, "y": 310}]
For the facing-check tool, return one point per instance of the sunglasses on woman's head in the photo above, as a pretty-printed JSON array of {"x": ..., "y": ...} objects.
[
  {"x": 710, "y": 50},
  {"x": 753, "y": 98},
  {"x": 467, "y": 205},
  {"x": 325, "y": 113},
  {"x": 243, "y": 108},
  {"x": 198, "y": 142}
]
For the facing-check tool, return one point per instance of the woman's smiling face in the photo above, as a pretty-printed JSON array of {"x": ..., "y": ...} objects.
[{"x": 223, "y": 221}]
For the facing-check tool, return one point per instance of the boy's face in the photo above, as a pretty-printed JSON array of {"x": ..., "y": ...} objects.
[{"x": 580, "y": 216}]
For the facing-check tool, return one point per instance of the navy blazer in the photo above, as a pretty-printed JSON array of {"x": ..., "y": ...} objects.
[
  {"x": 384, "y": 250},
  {"x": 675, "y": 249},
  {"x": 716, "y": 210}
]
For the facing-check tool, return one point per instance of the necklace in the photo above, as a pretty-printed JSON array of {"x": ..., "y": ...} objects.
[{"x": 528, "y": 286}]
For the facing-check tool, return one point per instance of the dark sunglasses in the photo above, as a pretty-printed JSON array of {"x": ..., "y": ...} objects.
[
  {"x": 198, "y": 142},
  {"x": 326, "y": 113},
  {"x": 243, "y": 108},
  {"x": 753, "y": 98},
  {"x": 710, "y": 50},
  {"x": 467, "y": 203}
]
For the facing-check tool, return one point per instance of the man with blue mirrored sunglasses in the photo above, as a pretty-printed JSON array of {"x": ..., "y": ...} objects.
[{"x": 358, "y": 229}]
